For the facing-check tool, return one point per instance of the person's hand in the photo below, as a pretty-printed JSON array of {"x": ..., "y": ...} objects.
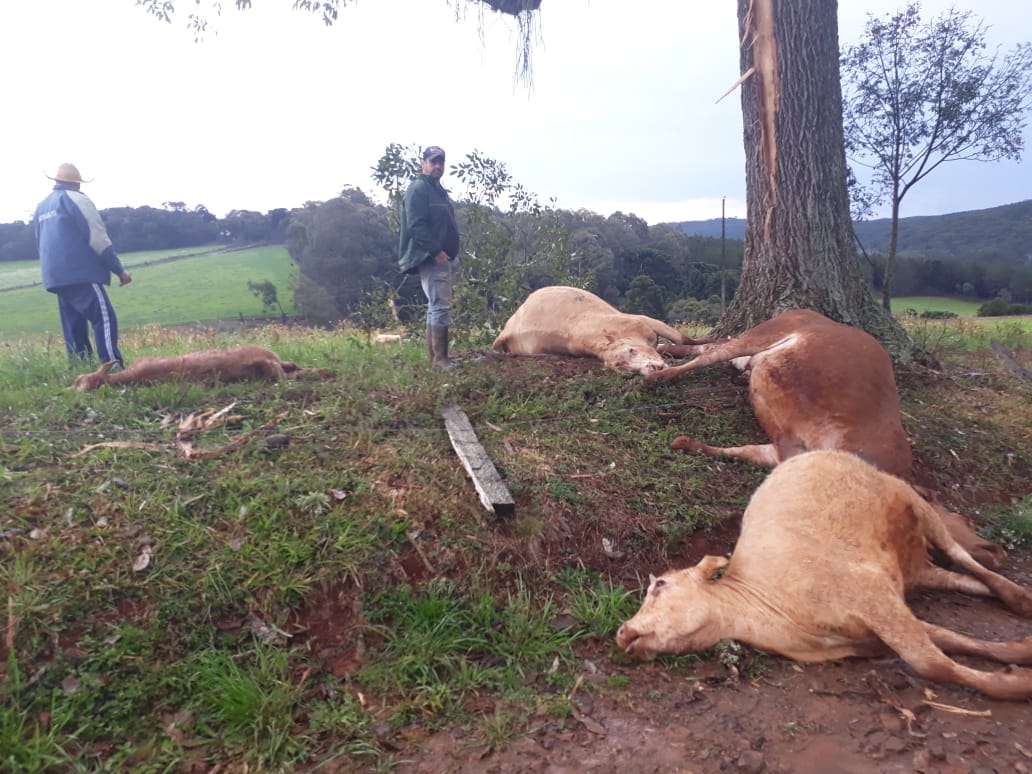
[
  {"x": 125, "y": 278},
  {"x": 441, "y": 257}
]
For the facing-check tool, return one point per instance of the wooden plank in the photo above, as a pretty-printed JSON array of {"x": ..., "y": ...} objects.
[{"x": 493, "y": 492}]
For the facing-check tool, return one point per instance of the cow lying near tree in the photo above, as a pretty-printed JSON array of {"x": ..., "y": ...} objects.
[
  {"x": 239, "y": 364},
  {"x": 818, "y": 384},
  {"x": 562, "y": 320},
  {"x": 829, "y": 547}
]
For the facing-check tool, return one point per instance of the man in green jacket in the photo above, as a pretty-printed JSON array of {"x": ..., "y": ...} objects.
[{"x": 430, "y": 246}]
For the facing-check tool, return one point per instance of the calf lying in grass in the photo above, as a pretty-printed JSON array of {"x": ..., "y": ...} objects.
[{"x": 239, "y": 364}]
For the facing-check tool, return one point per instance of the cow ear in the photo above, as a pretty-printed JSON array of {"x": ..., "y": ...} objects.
[
  {"x": 105, "y": 367},
  {"x": 652, "y": 578},
  {"x": 709, "y": 565}
]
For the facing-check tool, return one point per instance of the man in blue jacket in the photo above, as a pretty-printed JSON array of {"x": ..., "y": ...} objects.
[
  {"x": 430, "y": 245},
  {"x": 77, "y": 261}
]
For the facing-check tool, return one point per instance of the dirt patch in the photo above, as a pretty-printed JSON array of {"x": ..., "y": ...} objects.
[{"x": 763, "y": 714}]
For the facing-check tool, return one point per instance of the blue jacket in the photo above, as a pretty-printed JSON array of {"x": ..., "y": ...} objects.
[{"x": 74, "y": 247}]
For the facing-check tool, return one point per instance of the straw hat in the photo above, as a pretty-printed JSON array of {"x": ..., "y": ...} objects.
[{"x": 69, "y": 173}]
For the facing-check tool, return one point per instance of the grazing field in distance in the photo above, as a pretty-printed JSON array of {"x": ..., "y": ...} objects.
[
  {"x": 962, "y": 307},
  {"x": 197, "y": 289}
]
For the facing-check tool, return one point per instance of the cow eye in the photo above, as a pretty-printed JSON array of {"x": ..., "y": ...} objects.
[{"x": 660, "y": 583}]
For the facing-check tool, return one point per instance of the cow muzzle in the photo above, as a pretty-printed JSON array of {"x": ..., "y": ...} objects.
[{"x": 633, "y": 642}]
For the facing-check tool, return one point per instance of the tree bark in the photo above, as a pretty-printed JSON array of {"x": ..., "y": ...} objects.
[{"x": 798, "y": 241}]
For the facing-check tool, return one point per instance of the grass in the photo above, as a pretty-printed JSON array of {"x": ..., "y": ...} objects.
[
  {"x": 970, "y": 334},
  {"x": 191, "y": 290},
  {"x": 320, "y": 604},
  {"x": 15, "y": 274},
  {"x": 962, "y": 307}
]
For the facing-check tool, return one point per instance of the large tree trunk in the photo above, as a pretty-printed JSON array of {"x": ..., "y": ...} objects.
[{"x": 798, "y": 241}]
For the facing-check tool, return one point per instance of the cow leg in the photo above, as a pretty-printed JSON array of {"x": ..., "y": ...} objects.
[
  {"x": 985, "y": 553},
  {"x": 949, "y": 641},
  {"x": 1010, "y": 593},
  {"x": 680, "y": 350},
  {"x": 661, "y": 329},
  {"x": 269, "y": 369},
  {"x": 940, "y": 579},
  {"x": 963, "y": 531},
  {"x": 759, "y": 454},
  {"x": 892, "y": 622},
  {"x": 716, "y": 353}
]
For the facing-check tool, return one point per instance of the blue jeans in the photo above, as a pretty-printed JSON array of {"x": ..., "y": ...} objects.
[
  {"x": 438, "y": 281},
  {"x": 82, "y": 306}
]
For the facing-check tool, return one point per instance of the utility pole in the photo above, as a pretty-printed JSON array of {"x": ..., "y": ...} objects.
[{"x": 723, "y": 257}]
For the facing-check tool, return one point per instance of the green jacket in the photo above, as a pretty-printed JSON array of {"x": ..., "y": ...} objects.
[{"x": 427, "y": 217}]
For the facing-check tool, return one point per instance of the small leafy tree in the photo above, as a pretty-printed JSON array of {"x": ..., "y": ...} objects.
[
  {"x": 344, "y": 248},
  {"x": 644, "y": 297},
  {"x": 265, "y": 291},
  {"x": 917, "y": 95},
  {"x": 394, "y": 170},
  {"x": 506, "y": 253}
]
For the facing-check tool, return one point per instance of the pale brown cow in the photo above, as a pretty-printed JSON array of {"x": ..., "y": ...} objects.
[
  {"x": 225, "y": 365},
  {"x": 561, "y": 320},
  {"x": 829, "y": 546},
  {"x": 818, "y": 384}
]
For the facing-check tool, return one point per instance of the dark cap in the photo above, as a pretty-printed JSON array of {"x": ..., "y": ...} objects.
[{"x": 433, "y": 152}]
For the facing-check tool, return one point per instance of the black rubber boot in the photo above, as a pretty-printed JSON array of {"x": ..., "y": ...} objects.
[
  {"x": 430, "y": 342},
  {"x": 439, "y": 339}
]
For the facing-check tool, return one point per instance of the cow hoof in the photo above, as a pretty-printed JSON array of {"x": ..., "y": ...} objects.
[{"x": 686, "y": 444}]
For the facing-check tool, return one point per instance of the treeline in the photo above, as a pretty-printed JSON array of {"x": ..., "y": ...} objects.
[
  {"x": 979, "y": 254},
  {"x": 346, "y": 250},
  {"x": 932, "y": 275},
  {"x": 133, "y": 229}
]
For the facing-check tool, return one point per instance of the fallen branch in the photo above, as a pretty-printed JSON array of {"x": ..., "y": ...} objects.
[
  {"x": 187, "y": 428},
  {"x": 192, "y": 453},
  {"x": 958, "y": 710}
]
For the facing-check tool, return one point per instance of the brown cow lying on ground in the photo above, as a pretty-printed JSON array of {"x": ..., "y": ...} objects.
[
  {"x": 818, "y": 384},
  {"x": 562, "y": 320},
  {"x": 828, "y": 548},
  {"x": 226, "y": 365}
]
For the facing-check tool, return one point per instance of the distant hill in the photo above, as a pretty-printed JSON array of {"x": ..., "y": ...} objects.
[
  {"x": 735, "y": 227},
  {"x": 999, "y": 233}
]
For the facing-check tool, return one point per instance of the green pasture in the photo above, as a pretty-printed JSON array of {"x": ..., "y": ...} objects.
[
  {"x": 16, "y": 274},
  {"x": 962, "y": 307},
  {"x": 197, "y": 289},
  {"x": 967, "y": 310}
]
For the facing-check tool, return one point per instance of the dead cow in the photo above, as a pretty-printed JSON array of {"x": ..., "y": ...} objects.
[
  {"x": 563, "y": 320},
  {"x": 818, "y": 384},
  {"x": 225, "y": 365},
  {"x": 828, "y": 548}
]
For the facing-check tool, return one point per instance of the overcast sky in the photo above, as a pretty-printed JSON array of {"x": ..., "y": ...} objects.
[{"x": 276, "y": 109}]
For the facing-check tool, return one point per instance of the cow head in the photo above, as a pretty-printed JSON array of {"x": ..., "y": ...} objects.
[
  {"x": 629, "y": 357},
  {"x": 675, "y": 616}
]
